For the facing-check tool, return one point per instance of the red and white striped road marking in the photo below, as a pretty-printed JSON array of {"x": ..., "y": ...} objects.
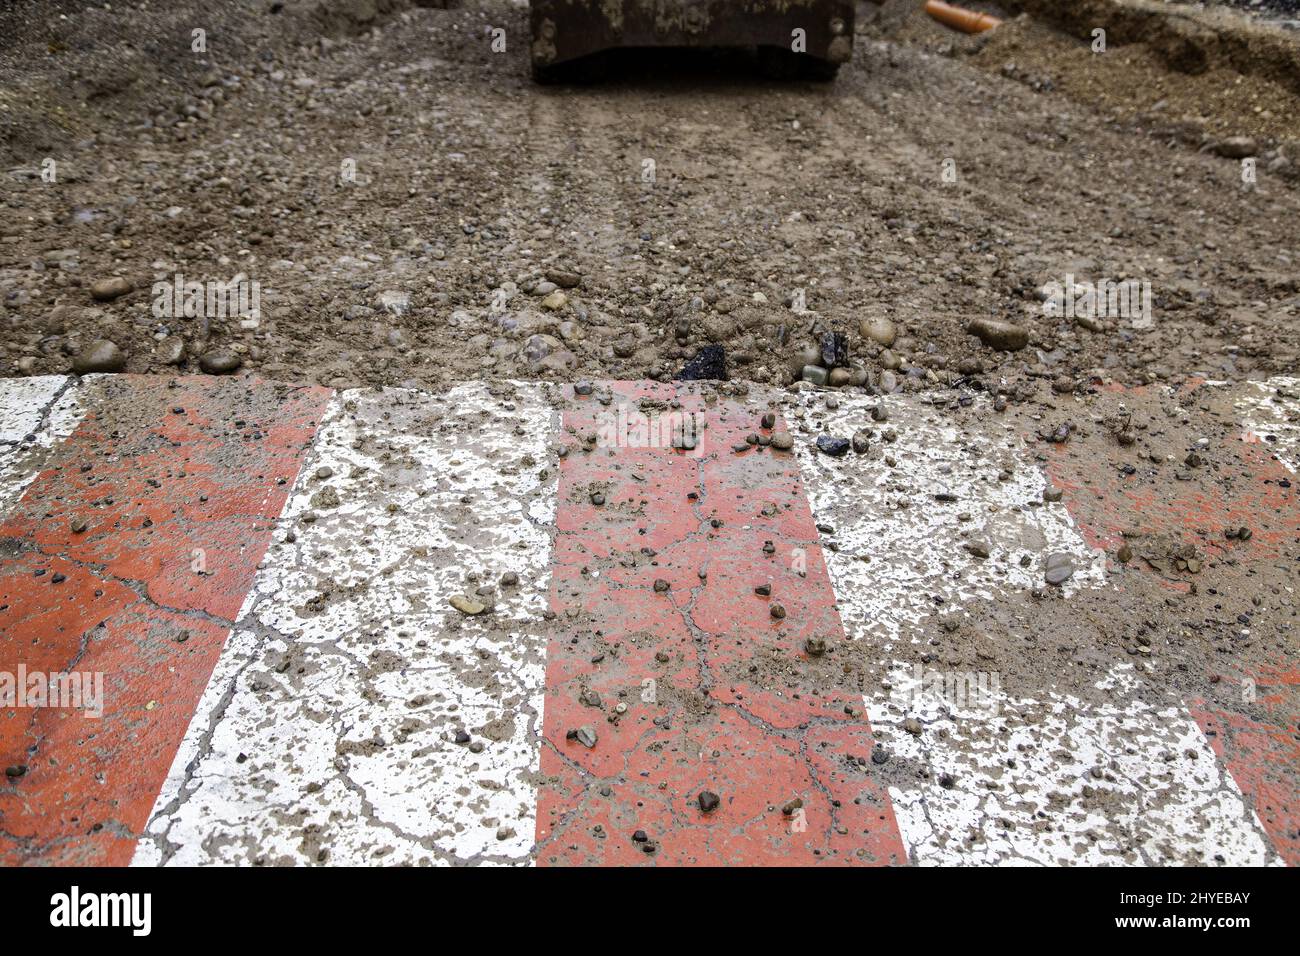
[
  {"x": 1023, "y": 767},
  {"x": 327, "y": 729},
  {"x": 128, "y": 555},
  {"x": 1257, "y": 743}
]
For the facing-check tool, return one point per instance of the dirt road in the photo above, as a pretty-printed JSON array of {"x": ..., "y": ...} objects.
[{"x": 399, "y": 194}]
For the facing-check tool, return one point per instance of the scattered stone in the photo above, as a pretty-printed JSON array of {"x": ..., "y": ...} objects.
[
  {"x": 585, "y": 735},
  {"x": 709, "y": 363},
  {"x": 220, "y": 362},
  {"x": 99, "y": 356},
  {"x": 1235, "y": 147},
  {"x": 708, "y": 801},
  {"x": 777, "y": 611},
  {"x": 999, "y": 335},
  {"x": 466, "y": 605},
  {"x": 815, "y": 646},
  {"x": 394, "y": 302},
  {"x": 564, "y": 278},
  {"x": 1059, "y": 568},
  {"x": 170, "y": 351},
  {"x": 782, "y": 441},
  {"x": 810, "y": 353},
  {"x": 326, "y": 498},
  {"x": 814, "y": 374},
  {"x": 835, "y": 350},
  {"x": 879, "y": 330},
  {"x": 912, "y": 726},
  {"x": 830, "y": 445},
  {"x": 106, "y": 290}
]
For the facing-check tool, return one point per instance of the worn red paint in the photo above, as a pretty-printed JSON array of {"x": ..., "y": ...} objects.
[
  {"x": 185, "y": 480},
  {"x": 732, "y": 710},
  {"x": 1259, "y": 742}
]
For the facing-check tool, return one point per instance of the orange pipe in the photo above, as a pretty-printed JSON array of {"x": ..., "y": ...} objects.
[{"x": 959, "y": 18}]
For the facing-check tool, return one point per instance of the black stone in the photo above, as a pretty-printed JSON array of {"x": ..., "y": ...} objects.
[
  {"x": 835, "y": 350},
  {"x": 830, "y": 445},
  {"x": 709, "y": 362}
]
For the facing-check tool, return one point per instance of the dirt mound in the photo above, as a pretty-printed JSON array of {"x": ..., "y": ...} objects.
[
  {"x": 1187, "y": 40},
  {"x": 1194, "y": 75}
]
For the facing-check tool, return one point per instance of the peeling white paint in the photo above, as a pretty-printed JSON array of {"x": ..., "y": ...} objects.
[
  {"x": 1270, "y": 413},
  {"x": 35, "y": 414},
  {"x": 348, "y": 674}
]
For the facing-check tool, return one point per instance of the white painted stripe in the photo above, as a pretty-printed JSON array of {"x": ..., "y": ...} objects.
[
  {"x": 899, "y": 548},
  {"x": 35, "y": 414},
  {"x": 1270, "y": 413},
  {"x": 1062, "y": 781},
  {"x": 327, "y": 729},
  {"x": 1053, "y": 780}
]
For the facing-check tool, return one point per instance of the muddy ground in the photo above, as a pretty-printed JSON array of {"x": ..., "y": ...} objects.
[{"x": 472, "y": 185}]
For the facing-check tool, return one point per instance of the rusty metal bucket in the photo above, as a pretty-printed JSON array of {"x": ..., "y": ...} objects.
[{"x": 816, "y": 35}]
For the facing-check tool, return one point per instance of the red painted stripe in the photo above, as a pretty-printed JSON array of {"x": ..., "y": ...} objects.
[
  {"x": 169, "y": 476},
  {"x": 1258, "y": 740},
  {"x": 739, "y": 709}
]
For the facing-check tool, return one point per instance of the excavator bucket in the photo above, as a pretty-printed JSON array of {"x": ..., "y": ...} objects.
[{"x": 793, "y": 37}]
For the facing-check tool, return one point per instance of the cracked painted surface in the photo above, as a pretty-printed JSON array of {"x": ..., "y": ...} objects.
[
  {"x": 688, "y": 679},
  {"x": 1051, "y": 778},
  {"x": 897, "y": 548},
  {"x": 324, "y": 726},
  {"x": 35, "y": 414},
  {"x": 128, "y": 556},
  {"x": 1066, "y": 781},
  {"x": 1249, "y": 658},
  {"x": 328, "y": 731}
]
